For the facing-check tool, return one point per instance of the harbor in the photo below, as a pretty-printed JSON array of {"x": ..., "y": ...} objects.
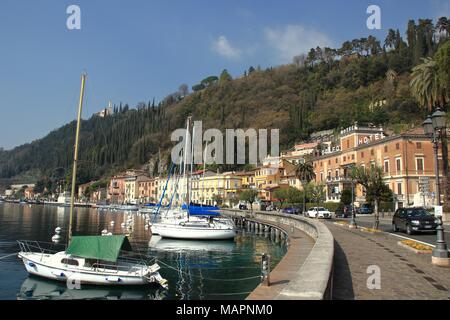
[{"x": 193, "y": 269}]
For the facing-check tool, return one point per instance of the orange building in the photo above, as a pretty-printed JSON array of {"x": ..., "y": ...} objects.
[
  {"x": 148, "y": 190},
  {"x": 116, "y": 189},
  {"x": 405, "y": 158}
]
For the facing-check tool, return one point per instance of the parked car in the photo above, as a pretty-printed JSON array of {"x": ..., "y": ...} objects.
[
  {"x": 366, "y": 208},
  {"x": 343, "y": 211},
  {"x": 319, "y": 213},
  {"x": 413, "y": 220},
  {"x": 243, "y": 207},
  {"x": 271, "y": 208},
  {"x": 291, "y": 210}
]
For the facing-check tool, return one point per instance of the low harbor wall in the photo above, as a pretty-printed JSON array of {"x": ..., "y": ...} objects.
[{"x": 312, "y": 279}]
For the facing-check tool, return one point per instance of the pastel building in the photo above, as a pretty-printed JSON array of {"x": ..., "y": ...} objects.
[{"x": 407, "y": 160}]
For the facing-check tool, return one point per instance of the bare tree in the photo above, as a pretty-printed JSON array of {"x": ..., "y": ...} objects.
[
  {"x": 300, "y": 60},
  {"x": 184, "y": 90}
]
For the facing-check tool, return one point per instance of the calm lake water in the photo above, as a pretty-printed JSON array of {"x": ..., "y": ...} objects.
[{"x": 194, "y": 269}]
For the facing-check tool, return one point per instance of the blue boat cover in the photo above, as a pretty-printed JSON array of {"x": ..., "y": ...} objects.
[{"x": 196, "y": 210}]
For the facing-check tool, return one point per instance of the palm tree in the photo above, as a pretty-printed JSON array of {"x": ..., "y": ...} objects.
[
  {"x": 443, "y": 26},
  {"x": 304, "y": 171},
  {"x": 425, "y": 84},
  {"x": 390, "y": 39}
]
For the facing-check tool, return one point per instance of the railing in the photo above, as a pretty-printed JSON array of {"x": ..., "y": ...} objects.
[{"x": 37, "y": 246}]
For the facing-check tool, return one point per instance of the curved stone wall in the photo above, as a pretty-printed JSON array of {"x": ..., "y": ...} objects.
[{"x": 314, "y": 277}]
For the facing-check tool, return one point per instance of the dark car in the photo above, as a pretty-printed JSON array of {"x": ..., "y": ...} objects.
[
  {"x": 243, "y": 207},
  {"x": 366, "y": 208},
  {"x": 413, "y": 220},
  {"x": 343, "y": 211},
  {"x": 291, "y": 210}
]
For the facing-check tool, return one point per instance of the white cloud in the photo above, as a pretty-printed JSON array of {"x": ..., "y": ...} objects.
[
  {"x": 224, "y": 48},
  {"x": 293, "y": 40}
]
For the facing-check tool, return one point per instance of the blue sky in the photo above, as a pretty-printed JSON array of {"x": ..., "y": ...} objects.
[{"x": 136, "y": 50}]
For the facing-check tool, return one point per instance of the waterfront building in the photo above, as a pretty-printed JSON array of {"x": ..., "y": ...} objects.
[
  {"x": 116, "y": 189},
  {"x": 299, "y": 152},
  {"x": 99, "y": 195},
  {"x": 131, "y": 184},
  {"x": 267, "y": 175},
  {"x": 266, "y": 192},
  {"x": 29, "y": 193},
  {"x": 18, "y": 187},
  {"x": 148, "y": 190},
  {"x": 247, "y": 179},
  {"x": 217, "y": 189},
  {"x": 288, "y": 174},
  {"x": 82, "y": 190},
  {"x": 407, "y": 160}
]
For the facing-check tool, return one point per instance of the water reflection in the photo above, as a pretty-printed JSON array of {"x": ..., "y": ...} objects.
[
  {"x": 34, "y": 288},
  {"x": 194, "y": 269}
]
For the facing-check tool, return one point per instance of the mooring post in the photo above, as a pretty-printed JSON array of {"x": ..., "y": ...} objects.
[{"x": 265, "y": 270}]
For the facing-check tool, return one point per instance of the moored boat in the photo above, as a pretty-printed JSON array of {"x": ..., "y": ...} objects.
[{"x": 96, "y": 260}]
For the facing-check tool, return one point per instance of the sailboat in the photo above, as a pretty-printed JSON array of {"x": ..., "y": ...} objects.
[
  {"x": 96, "y": 260},
  {"x": 189, "y": 222}
]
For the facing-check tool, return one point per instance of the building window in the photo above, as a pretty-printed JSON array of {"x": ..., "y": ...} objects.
[
  {"x": 419, "y": 164},
  {"x": 337, "y": 173},
  {"x": 398, "y": 165},
  {"x": 397, "y": 146},
  {"x": 353, "y": 157},
  {"x": 399, "y": 188},
  {"x": 337, "y": 160},
  {"x": 386, "y": 166},
  {"x": 419, "y": 145},
  {"x": 345, "y": 159},
  {"x": 385, "y": 148}
]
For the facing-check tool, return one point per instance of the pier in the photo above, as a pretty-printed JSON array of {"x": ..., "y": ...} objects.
[{"x": 306, "y": 271}]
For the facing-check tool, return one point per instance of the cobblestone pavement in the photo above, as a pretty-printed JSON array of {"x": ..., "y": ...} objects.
[{"x": 404, "y": 274}]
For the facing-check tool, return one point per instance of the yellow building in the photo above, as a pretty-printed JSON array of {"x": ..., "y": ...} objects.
[
  {"x": 216, "y": 189},
  {"x": 267, "y": 175}
]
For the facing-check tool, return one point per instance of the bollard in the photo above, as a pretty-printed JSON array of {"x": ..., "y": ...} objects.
[{"x": 265, "y": 270}]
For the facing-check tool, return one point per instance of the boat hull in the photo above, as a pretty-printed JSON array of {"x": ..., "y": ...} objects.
[
  {"x": 189, "y": 233},
  {"x": 37, "y": 268}
]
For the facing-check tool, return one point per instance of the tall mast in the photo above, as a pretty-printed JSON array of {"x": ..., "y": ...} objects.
[
  {"x": 75, "y": 156},
  {"x": 204, "y": 170}
]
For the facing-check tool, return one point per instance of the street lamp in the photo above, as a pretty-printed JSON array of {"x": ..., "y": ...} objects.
[
  {"x": 353, "y": 219},
  {"x": 433, "y": 127}
]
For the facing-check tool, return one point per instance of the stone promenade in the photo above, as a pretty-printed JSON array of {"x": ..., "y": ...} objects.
[{"x": 404, "y": 274}]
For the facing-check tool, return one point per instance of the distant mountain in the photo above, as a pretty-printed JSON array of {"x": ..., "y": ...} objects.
[{"x": 327, "y": 89}]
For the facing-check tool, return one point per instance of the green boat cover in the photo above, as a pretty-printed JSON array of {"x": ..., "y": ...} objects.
[{"x": 105, "y": 248}]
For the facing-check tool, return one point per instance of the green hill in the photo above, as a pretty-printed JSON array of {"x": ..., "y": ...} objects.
[{"x": 325, "y": 89}]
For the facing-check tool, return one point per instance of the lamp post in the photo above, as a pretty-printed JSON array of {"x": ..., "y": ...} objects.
[
  {"x": 433, "y": 127},
  {"x": 353, "y": 224},
  {"x": 353, "y": 219}
]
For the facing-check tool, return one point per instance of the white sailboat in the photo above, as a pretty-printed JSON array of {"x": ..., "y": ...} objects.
[
  {"x": 97, "y": 260},
  {"x": 181, "y": 224}
]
